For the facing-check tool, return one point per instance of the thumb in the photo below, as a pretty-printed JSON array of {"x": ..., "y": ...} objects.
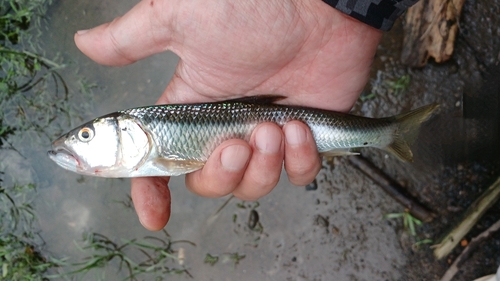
[{"x": 141, "y": 32}]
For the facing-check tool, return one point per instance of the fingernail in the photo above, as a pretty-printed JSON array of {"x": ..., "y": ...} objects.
[
  {"x": 81, "y": 32},
  {"x": 295, "y": 134},
  {"x": 268, "y": 140},
  {"x": 234, "y": 157}
]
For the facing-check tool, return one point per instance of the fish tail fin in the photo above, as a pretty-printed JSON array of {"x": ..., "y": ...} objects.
[{"x": 406, "y": 132}]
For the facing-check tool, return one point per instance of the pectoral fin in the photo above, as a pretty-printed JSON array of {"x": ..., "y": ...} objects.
[
  {"x": 178, "y": 167},
  {"x": 339, "y": 152}
]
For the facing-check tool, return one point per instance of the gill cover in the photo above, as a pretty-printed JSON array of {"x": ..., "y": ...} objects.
[{"x": 109, "y": 146}]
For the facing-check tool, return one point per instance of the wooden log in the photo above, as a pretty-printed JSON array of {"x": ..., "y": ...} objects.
[{"x": 430, "y": 28}]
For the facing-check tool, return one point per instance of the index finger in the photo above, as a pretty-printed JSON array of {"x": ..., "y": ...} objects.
[{"x": 151, "y": 198}]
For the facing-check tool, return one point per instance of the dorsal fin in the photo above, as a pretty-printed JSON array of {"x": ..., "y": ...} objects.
[{"x": 264, "y": 99}]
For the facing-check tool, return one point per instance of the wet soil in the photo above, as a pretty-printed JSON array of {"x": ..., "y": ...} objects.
[
  {"x": 336, "y": 229},
  {"x": 458, "y": 152}
]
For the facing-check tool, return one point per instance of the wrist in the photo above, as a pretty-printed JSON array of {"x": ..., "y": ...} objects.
[
  {"x": 328, "y": 15},
  {"x": 343, "y": 27},
  {"x": 346, "y": 47}
]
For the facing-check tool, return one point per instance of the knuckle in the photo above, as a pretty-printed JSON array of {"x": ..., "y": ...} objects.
[
  {"x": 218, "y": 190},
  {"x": 301, "y": 167},
  {"x": 209, "y": 187},
  {"x": 257, "y": 185},
  {"x": 302, "y": 172},
  {"x": 266, "y": 182},
  {"x": 116, "y": 44}
]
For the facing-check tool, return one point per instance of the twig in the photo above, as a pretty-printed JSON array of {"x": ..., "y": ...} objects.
[
  {"x": 212, "y": 218},
  {"x": 392, "y": 188},
  {"x": 472, "y": 215},
  {"x": 474, "y": 243}
]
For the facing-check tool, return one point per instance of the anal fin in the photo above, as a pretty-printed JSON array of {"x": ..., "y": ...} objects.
[{"x": 339, "y": 152}]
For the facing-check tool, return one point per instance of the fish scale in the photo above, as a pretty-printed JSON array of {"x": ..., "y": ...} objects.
[{"x": 200, "y": 128}]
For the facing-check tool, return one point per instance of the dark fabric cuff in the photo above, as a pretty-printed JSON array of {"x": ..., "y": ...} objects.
[{"x": 380, "y": 14}]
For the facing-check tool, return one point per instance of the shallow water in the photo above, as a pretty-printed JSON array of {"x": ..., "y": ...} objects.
[{"x": 336, "y": 232}]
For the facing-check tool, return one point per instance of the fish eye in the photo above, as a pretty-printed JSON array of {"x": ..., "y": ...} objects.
[{"x": 86, "y": 134}]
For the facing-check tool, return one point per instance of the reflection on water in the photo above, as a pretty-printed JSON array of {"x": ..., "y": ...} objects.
[
  {"x": 16, "y": 168},
  {"x": 75, "y": 214}
]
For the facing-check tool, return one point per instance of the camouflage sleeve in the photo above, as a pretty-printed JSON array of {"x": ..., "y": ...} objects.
[{"x": 380, "y": 14}]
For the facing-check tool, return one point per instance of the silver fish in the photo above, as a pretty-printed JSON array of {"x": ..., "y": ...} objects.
[{"x": 170, "y": 140}]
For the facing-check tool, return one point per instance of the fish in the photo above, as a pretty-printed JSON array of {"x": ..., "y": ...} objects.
[{"x": 176, "y": 139}]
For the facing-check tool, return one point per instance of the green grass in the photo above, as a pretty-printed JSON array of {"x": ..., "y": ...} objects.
[
  {"x": 34, "y": 103},
  {"x": 5, "y": 132},
  {"x": 157, "y": 260},
  {"x": 409, "y": 221},
  {"x": 211, "y": 260},
  {"x": 233, "y": 258},
  {"x": 34, "y": 97},
  {"x": 400, "y": 85},
  {"x": 383, "y": 86},
  {"x": 16, "y": 210},
  {"x": 20, "y": 255},
  {"x": 21, "y": 261}
]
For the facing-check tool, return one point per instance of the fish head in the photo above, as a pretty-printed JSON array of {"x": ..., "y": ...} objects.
[{"x": 109, "y": 146}]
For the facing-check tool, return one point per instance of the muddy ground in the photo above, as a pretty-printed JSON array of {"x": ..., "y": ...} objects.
[
  {"x": 338, "y": 230},
  {"x": 459, "y": 151}
]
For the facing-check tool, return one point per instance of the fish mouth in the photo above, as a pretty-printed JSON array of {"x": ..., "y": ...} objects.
[{"x": 64, "y": 158}]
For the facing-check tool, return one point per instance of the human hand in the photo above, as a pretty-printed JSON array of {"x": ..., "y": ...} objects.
[{"x": 301, "y": 49}]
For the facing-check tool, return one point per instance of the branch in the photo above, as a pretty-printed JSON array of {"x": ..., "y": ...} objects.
[
  {"x": 474, "y": 243},
  {"x": 392, "y": 188},
  {"x": 472, "y": 215}
]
